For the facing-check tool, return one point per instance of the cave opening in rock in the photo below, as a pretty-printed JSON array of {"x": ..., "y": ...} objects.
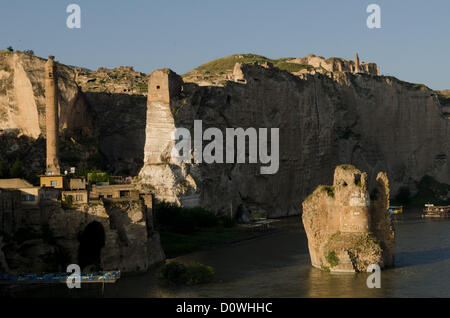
[{"x": 92, "y": 240}]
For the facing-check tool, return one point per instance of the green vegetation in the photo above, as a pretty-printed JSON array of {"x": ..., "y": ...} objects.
[
  {"x": 172, "y": 218},
  {"x": 6, "y": 68},
  {"x": 67, "y": 203},
  {"x": 184, "y": 230},
  {"x": 430, "y": 191},
  {"x": 332, "y": 259},
  {"x": 291, "y": 67},
  {"x": 346, "y": 167},
  {"x": 10, "y": 49},
  {"x": 226, "y": 64},
  {"x": 180, "y": 274},
  {"x": 142, "y": 87},
  {"x": 17, "y": 170},
  {"x": 94, "y": 176},
  {"x": 443, "y": 96},
  {"x": 328, "y": 189},
  {"x": 175, "y": 244},
  {"x": 411, "y": 85}
]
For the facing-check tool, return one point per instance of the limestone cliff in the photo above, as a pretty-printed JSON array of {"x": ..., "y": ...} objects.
[
  {"x": 377, "y": 123},
  {"x": 118, "y": 98},
  {"x": 22, "y": 97},
  {"x": 102, "y": 114}
]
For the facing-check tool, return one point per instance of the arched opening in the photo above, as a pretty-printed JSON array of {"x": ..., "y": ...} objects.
[{"x": 92, "y": 239}]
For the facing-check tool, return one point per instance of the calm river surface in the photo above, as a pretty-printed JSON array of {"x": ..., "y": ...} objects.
[{"x": 278, "y": 265}]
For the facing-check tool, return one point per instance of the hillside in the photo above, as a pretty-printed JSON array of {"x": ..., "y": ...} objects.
[{"x": 221, "y": 69}]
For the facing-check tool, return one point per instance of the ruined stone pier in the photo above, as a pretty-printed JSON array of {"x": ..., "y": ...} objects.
[{"x": 347, "y": 228}]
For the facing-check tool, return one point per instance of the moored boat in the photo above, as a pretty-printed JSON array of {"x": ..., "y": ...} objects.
[
  {"x": 434, "y": 211},
  {"x": 393, "y": 209},
  {"x": 48, "y": 278}
]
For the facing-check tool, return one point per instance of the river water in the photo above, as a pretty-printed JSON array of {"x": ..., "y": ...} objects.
[{"x": 278, "y": 265}]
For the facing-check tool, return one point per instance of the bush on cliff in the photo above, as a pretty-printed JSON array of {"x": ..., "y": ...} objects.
[
  {"x": 332, "y": 259},
  {"x": 178, "y": 273},
  {"x": 17, "y": 170}
]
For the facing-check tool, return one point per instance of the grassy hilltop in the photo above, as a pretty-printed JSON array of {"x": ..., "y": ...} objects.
[{"x": 220, "y": 68}]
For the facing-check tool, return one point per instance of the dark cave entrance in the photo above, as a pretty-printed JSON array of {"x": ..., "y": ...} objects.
[{"x": 92, "y": 239}]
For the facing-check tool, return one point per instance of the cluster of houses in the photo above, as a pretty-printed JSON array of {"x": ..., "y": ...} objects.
[
  {"x": 54, "y": 185},
  {"x": 20, "y": 193}
]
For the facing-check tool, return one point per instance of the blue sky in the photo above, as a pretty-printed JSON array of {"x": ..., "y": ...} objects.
[{"x": 413, "y": 43}]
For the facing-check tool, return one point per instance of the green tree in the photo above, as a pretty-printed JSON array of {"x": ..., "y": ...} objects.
[
  {"x": 29, "y": 52},
  {"x": 10, "y": 49},
  {"x": 17, "y": 170}
]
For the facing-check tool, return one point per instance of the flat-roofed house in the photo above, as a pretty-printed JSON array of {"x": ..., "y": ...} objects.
[
  {"x": 115, "y": 191},
  {"x": 29, "y": 194},
  {"x": 50, "y": 181},
  {"x": 78, "y": 196}
]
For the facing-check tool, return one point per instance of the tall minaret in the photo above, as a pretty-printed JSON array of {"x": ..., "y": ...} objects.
[
  {"x": 51, "y": 115},
  {"x": 356, "y": 63}
]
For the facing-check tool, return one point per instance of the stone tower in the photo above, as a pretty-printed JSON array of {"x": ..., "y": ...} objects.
[
  {"x": 163, "y": 85},
  {"x": 51, "y": 115},
  {"x": 357, "y": 63}
]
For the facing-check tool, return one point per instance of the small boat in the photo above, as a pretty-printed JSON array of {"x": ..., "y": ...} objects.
[
  {"x": 393, "y": 209},
  {"x": 49, "y": 278},
  {"x": 432, "y": 211}
]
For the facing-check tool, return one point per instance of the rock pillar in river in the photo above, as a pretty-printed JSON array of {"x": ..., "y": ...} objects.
[{"x": 347, "y": 231}]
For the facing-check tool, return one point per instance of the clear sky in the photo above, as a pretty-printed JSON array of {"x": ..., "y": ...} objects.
[{"x": 413, "y": 43}]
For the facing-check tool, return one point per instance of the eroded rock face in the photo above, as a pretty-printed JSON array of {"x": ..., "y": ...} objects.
[
  {"x": 347, "y": 230},
  {"x": 48, "y": 238},
  {"x": 376, "y": 123},
  {"x": 22, "y": 97},
  {"x": 104, "y": 109}
]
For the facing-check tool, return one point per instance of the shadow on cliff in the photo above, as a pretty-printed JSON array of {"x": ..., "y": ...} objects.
[{"x": 120, "y": 122}]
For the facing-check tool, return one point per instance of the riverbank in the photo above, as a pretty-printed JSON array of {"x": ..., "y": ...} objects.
[{"x": 177, "y": 244}]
